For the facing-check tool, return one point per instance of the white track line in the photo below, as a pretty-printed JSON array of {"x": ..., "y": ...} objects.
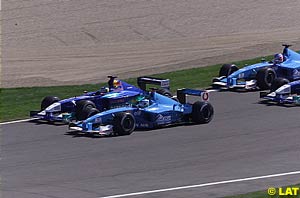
[
  {"x": 17, "y": 121},
  {"x": 204, "y": 185}
]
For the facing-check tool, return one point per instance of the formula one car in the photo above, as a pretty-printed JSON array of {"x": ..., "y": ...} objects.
[
  {"x": 148, "y": 111},
  {"x": 260, "y": 75},
  {"x": 117, "y": 94},
  {"x": 288, "y": 93}
]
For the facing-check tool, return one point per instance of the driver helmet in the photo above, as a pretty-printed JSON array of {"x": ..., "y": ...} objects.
[
  {"x": 144, "y": 103},
  {"x": 137, "y": 99},
  {"x": 278, "y": 58},
  {"x": 117, "y": 84}
]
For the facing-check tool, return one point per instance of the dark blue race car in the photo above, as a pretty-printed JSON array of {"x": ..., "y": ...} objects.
[
  {"x": 148, "y": 111},
  {"x": 117, "y": 94},
  {"x": 260, "y": 75}
]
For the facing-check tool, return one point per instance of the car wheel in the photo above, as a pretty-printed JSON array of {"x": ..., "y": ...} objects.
[
  {"x": 81, "y": 108},
  {"x": 265, "y": 78},
  {"x": 89, "y": 112},
  {"x": 124, "y": 123},
  {"x": 227, "y": 69},
  {"x": 278, "y": 82},
  {"x": 48, "y": 100},
  {"x": 202, "y": 112},
  {"x": 165, "y": 92}
]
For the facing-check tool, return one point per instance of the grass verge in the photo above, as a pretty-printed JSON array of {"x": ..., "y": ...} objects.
[
  {"x": 15, "y": 103},
  {"x": 264, "y": 193}
]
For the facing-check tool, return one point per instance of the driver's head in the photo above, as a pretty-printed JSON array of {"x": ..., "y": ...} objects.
[
  {"x": 117, "y": 83},
  {"x": 278, "y": 58},
  {"x": 137, "y": 99}
]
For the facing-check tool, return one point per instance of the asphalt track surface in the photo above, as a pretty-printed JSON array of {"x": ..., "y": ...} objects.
[
  {"x": 245, "y": 139},
  {"x": 56, "y": 42}
]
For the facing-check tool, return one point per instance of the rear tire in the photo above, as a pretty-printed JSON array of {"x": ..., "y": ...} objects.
[
  {"x": 89, "y": 112},
  {"x": 278, "y": 82},
  {"x": 165, "y": 92},
  {"x": 202, "y": 112},
  {"x": 265, "y": 78},
  {"x": 124, "y": 123},
  {"x": 227, "y": 69},
  {"x": 48, "y": 100},
  {"x": 81, "y": 109}
]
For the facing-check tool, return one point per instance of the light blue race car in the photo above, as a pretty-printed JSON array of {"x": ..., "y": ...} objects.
[
  {"x": 148, "y": 111},
  {"x": 260, "y": 75}
]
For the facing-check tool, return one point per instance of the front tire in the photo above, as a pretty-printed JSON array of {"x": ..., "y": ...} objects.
[
  {"x": 48, "y": 100},
  {"x": 89, "y": 112},
  {"x": 202, "y": 112},
  {"x": 81, "y": 109},
  {"x": 278, "y": 82},
  {"x": 265, "y": 78},
  {"x": 124, "y": 123},
  {"x": 227, "y": 69}
]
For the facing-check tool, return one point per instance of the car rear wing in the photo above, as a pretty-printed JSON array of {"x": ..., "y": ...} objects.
[
  {"x": 182, "y": 93},
  {"x": 144, "y": 80}
]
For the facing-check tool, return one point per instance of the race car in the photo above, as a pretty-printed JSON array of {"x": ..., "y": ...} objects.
[
  {"x": 149, "y": 110},
  {"x": 260, "y": 75},
  {"x": 117, "y": 94},
  {"x": 288, "y": 93}
]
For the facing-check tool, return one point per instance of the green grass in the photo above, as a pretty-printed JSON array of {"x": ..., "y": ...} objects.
[
  {"x": 264, "y": 194},
  {"x": 15, "y": 103}
]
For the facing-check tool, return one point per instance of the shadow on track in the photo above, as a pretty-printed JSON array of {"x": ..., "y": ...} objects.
[
  {"x": 76, "y": 134},
  {"x": 41, "y": 122},
  {"x": 241, "y": 91},
  {"x": 272, "y": 103}
]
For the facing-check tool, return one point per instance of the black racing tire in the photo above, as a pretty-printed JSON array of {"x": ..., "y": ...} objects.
[
  {"x": 202, "y": 112},
  {"x": 175, "y": 98},
  {"x": 89, "y": 112},
  {"x": 278, "y": 82},
  {"x": 48, "y": 100},
  {"x": 123, "y": 123},
  {"x": 165, "y": 92},
  {"x": 227, "y": 69},
  {"x": 265, "y": 78},
  {"x": 81, "y": 109}
]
